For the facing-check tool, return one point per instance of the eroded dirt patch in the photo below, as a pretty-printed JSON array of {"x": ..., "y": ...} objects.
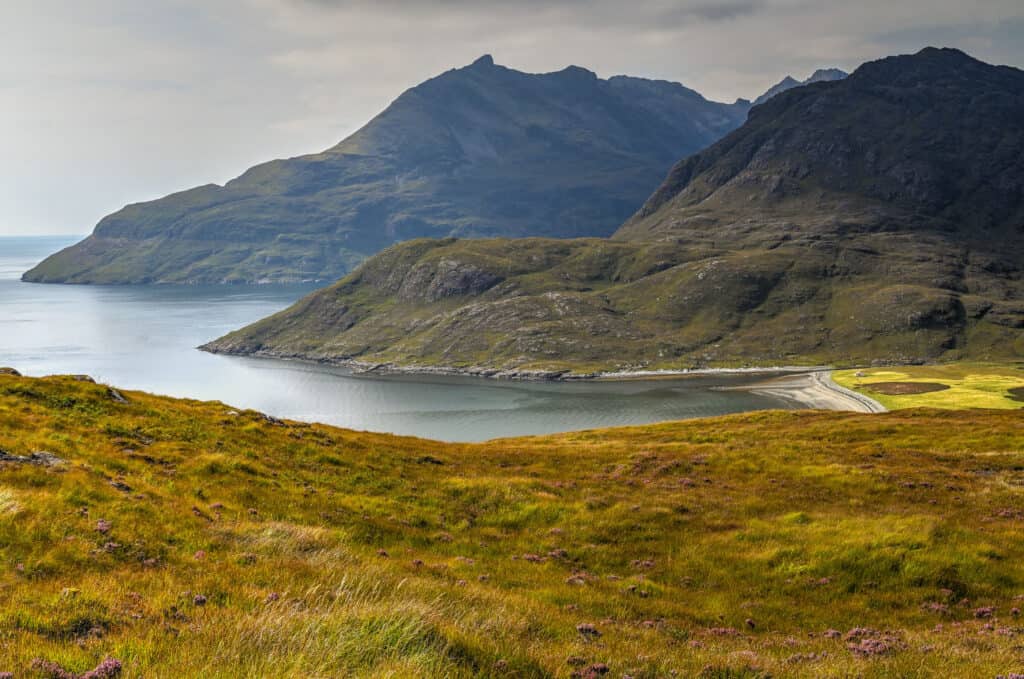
[{"x": 905, "y": 388}]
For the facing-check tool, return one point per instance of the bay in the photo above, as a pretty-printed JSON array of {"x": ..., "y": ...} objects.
[{"x": 145, "y": 338}]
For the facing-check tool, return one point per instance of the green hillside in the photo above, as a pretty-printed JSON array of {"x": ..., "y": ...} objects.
[{"x": 875, "y": 218}]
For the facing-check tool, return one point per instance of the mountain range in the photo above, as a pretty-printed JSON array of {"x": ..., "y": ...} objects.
[
  {"x": 479, "y": 151},
  {"x": 877, "y": 217},
  {"x": 789, "y": 82}
]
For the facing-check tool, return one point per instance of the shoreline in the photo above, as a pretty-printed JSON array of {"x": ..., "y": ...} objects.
[
  {"x": 809, "y": 386},
  {"x": 565, "y": 375},
  {"x": 816, "y": 390}
]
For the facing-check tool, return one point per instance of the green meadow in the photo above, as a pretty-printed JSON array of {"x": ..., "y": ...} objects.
[{"x": 957, "y": 385}]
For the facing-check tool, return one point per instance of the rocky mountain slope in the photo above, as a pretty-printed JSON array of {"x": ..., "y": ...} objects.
[
  {"x": 880, "y": 217},
  {"x": 478, "y": 151}
]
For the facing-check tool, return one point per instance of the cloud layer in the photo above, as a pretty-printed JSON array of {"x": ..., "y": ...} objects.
[{"x": 106, "y": 102}]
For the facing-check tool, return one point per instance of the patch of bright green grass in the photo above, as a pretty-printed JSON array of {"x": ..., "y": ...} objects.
[{"x": 970, "y": 385}]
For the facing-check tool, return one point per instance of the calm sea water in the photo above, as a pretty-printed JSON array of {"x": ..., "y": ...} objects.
[{"x": 144, "y": 337}]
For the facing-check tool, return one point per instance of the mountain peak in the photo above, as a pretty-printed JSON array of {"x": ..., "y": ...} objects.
[
  {"x": 579, "y": 71},
  {"x": 789, "y": 82},
  {"x": 485, "y": 61}
]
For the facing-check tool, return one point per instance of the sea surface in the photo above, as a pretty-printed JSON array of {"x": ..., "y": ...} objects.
[{"x": 144, "y": 338}]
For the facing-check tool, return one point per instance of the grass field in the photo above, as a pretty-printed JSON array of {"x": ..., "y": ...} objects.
[
  {"x": 968, "y": 385},
  {"x": 185, "y": 539}
]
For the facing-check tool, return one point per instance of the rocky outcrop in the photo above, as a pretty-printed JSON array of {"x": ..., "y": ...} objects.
[{"x": 40, "y": 458}]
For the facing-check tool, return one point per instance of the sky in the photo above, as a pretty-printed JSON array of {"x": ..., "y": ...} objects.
[{"x": 109, "y": 102}]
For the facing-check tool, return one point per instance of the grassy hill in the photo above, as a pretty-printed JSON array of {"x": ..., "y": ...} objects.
[
  {"x": 878, "y": 217},
  {"x": 478, "y": 151},
  {"x": 182, "y": 538}
]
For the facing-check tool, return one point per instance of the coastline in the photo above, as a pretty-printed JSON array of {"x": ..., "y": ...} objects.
[
  {"x": 815, "y": 389},
  {"x": 810, "y": 386}
]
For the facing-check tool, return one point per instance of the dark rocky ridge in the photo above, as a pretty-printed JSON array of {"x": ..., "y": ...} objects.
[
  {"x": 876, "y": 218},
  {"x": 478, "y": 151}
]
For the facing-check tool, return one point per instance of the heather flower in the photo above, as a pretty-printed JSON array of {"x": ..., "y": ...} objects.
[
  {"x": 103, "y": 526},
  {"x": 1015, "y": 612},
  {"x": 382, "y": 553},
  {"x": 6, "y": 675},
  {"x": 200, "y": 554},
  {"x": 870, "y": 647},
  {"x": 50, "y": 669},
  {"x": 199, "y": 600},
  {"x": 832, "y": 634},
  {"x": 587, "y": 630},
  {"x": 591, "y": 672},
  {"x": 750, "y": 623},
  {"x": 723, "y": 632},
  {"x": 558, "y": 554},
  {"x": 533, "y": 558},
  {"x": 108, "y": 669},
  {"x": 417, "y": 563},
  {"x": 984, "y": 612},
  {"x": 272, "y": 597}
]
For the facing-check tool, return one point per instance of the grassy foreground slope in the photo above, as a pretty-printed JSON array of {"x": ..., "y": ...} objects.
[{"x": 186, "y": 539}]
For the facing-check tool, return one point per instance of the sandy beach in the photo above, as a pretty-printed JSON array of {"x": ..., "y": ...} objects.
[{"x": 815, "y": 390}]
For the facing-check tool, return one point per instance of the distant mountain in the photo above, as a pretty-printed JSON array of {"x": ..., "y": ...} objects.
[
  {"x": 788, "y": 83},
  {"x": 478, "y": 151},
  {"x": 875, "y": 218}
]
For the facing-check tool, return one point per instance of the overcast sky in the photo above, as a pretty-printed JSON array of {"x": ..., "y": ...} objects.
[{"x": 105, "y": 102}]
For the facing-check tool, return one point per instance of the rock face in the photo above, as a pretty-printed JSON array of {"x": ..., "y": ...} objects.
[
  {"x": 876, "y": 218},
  {"x": 929, "y": 142},
  {"x": 39, "y": 458},
  {"x": 478, "y": 151}
]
